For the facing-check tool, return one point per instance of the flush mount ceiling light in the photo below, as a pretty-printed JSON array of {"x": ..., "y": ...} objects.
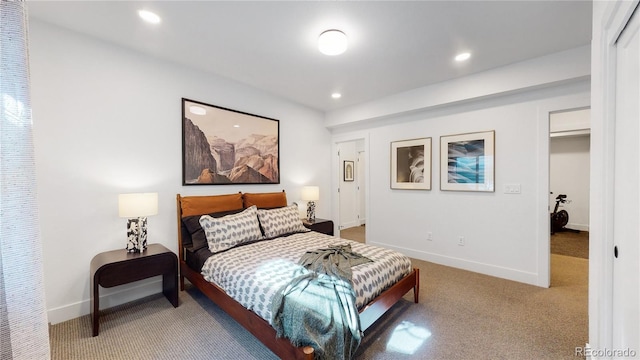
[
  {"x": 149, "y": 16},
  {"x": 463, "y": 56},
  {"x": 332, "y": 42},
  {"x": 336, "y": 95}
]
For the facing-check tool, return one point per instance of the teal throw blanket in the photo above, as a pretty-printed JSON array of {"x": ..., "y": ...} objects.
[{"x": 318, "y": 307}]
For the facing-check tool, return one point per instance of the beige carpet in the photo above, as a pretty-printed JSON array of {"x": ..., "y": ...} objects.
[
  {"x": 152, "y": 329},
  {"x": 356, "y": 233},
  {"x": 570, "y": 244},
  {"x": 501, "y": 318},
  {"x": 461, "y": 315},
  {"x": 472, "y": 316}
]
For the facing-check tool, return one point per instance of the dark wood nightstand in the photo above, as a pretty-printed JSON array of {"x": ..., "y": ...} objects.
[
  {"x": 320, "y": 225},
  {"x": 120, "y": 267}
]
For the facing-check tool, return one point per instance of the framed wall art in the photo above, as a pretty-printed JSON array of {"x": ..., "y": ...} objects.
[
  {"x": 226, "y": 147},
  {"x": 347, "y": 170},
  {"x": 411, "y": 164},
  {"x": 467, "y": 162}
]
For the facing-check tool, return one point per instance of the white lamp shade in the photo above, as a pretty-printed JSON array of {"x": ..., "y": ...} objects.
[
  {"x": 310, "y": 193},
  {"x": 137, "y": 205},
  {"x": 332, "y": 42}
]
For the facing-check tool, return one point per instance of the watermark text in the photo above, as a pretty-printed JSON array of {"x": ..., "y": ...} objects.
[{"x": 604, "y": 353}]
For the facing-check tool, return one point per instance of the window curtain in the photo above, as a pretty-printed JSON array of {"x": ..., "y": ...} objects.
[{"x": 23, "y": 318}]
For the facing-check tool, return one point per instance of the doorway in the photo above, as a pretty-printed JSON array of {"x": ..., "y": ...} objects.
[
  {"x": 569, "y": 169},
  {"x": 351, "y": 189},
  {"x": 569, "y": 195}
]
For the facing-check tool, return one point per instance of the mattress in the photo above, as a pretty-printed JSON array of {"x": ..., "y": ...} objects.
[{"x": 252, "y": 274}]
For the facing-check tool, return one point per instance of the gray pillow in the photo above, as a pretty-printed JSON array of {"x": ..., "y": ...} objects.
[
  {"x": 231, "y": 230},
  {"x": 281, "y": 221}
]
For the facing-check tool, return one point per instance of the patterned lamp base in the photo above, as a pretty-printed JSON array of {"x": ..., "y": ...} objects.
[
  {"x": 311, "y": 210},
  {"x": 137, "y": 235}
]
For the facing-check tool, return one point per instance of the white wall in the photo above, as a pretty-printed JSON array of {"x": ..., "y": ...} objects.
[
  {"x": 569, "y": 169},
  {"x": 506, "y": 235},
  {"x": 500, "y": 230},
  {"x": 107, "y": 120}
]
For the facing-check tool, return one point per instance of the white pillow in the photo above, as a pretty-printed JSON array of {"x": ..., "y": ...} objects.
[
  {"x": 231, "y": 230},
  {"x": 281, "y": 221}
]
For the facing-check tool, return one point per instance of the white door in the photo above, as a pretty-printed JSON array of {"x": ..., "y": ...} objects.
[
  {"x": 347, "y": 188},
  {"x": 360, "y": 178},
  {"x": 626, "y": 221}
]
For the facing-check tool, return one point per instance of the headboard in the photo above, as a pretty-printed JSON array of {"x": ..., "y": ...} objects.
[{"x": 194, "y": 206}]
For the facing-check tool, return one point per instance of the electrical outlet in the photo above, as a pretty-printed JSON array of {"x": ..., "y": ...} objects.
[
  {"x": 461, "y": 240},
  {"x": 429, "y": 236}
]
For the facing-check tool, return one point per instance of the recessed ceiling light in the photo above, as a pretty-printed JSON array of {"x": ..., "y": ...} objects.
[
  {"x": 332, "y": 42},
  {"x": 463, "y": 56},
  {"x": 336, "y": 95},
  {"x": 197, "y": 110},
  {"x": 236, "y": 126},
  {"x": 149, "y": 16}
]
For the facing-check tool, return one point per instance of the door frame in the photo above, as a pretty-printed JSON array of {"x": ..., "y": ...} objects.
[
  {"x": 543, "y": 205},
  {"x": 610, "y": 19},
  {"x": 336, "y": 168},
  {"x": 361, "y": 166}
]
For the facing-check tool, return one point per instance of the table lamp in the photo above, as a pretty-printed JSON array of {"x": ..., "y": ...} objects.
[
  {"x": 311, "y": 194},
  {"x": 136, "y": 207}
]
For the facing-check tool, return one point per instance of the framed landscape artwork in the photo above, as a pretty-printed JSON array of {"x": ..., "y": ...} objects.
[
  {"x": 347, "y": 170},
  {"x": 223, "y": 147},
  {"x": 411, "y": 164},
  {"x": 467, "y": 162}
]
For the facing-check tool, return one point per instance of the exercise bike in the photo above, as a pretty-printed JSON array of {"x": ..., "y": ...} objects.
[{"x": 559, "y": 219}]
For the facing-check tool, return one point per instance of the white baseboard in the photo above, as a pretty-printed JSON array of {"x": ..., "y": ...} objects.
[
  {"x": 482, "y": 268},
  {"x": 123, "y": 294},
  {"x": 581, "y": 227},
  {"x": 349, "y": 224}
]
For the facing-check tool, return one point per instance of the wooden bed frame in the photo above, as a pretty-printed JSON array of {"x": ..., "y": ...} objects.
[{"x": 261, "y": 329}]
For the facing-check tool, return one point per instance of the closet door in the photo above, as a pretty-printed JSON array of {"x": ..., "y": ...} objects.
[{"x": 626, "y": 222}]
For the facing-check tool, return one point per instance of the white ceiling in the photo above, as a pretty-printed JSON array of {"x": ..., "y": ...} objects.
[{"x": 394, "y": 46}]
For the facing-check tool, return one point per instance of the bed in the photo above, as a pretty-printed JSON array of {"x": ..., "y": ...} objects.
[{"x": 208, "y": 263}]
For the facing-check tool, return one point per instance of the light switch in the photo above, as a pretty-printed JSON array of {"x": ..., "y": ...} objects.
[{"x": 512, "y": 188}]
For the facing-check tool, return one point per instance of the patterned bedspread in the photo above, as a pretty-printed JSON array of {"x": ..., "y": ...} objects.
[{"x": 251, "y": 274}]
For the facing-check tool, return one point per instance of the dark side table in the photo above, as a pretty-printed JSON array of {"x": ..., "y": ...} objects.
[
  {"x": 320, "y": 225},
  {"x": 118, "y": 267}
]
